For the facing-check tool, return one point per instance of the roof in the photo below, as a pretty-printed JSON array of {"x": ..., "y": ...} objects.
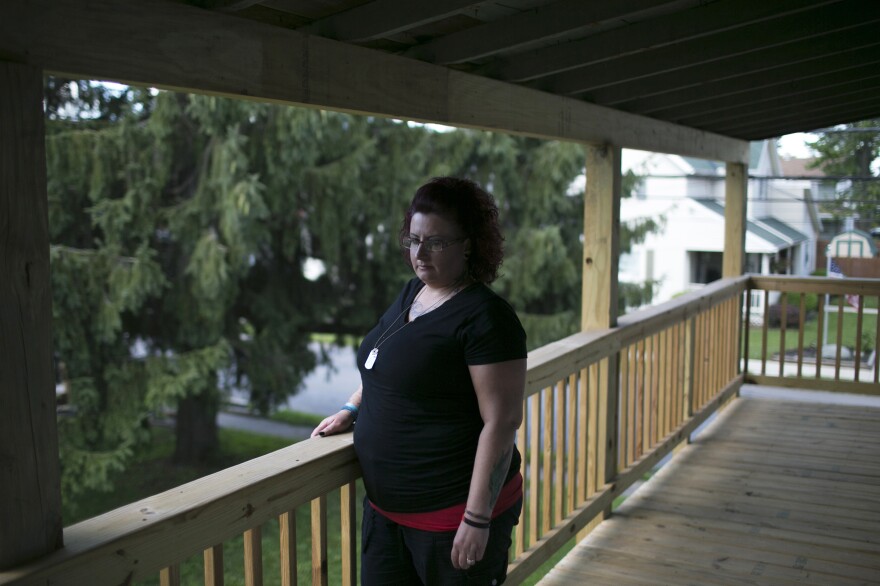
[
  {"x": 772, "y": 230},
  {"x": 678, "y": 76},
  {"x": 793, "y": 167}
]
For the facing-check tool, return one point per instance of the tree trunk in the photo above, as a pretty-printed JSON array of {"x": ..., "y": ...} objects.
[{"x": 197, "y": 437}]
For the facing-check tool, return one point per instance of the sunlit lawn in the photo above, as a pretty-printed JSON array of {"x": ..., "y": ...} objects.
[{"x": 811, "y": 334}]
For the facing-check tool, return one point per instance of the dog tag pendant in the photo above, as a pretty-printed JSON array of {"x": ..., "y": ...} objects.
[{"x": 371, "y": 359}]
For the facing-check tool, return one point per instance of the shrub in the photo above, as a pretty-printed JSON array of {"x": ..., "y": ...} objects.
[
  {"x": 792, "y": 316},
  {"x": 811, "y": 301}
]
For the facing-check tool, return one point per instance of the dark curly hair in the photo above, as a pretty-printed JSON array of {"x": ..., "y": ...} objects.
[{"x": 473, "y": 209}]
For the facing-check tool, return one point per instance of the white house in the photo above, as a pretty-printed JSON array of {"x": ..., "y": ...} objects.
[{"x": 686, "y": 196}]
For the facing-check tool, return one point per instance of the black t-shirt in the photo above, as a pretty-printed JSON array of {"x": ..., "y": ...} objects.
[{"x": 419, "y": 423}]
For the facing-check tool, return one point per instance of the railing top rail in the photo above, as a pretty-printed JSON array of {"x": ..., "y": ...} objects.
[
  {"x": 135, "y": 541},
  {"x": 815, "y": 284},
  {"x": 557, "y": 360}
]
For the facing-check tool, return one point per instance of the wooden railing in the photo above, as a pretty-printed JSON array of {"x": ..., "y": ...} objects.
[
  {"x": 668, "y": 368},
  {"x": 820, "y": 334}
]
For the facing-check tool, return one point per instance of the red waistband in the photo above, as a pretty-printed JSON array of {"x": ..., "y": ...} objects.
[{"x": 449, "y": 519}]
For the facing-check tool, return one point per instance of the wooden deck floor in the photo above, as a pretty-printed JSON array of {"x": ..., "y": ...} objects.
[{"x": 771, "y": 492}]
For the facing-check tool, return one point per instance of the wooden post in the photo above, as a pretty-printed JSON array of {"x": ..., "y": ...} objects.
[
  {"x": 30, "y": 489},
  {"x": 599, "y": 290},
  {"x": 733, "y": 261}
]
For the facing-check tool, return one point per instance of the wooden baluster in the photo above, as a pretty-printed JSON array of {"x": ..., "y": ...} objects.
[
  {"x": 641, "y": 395},
  {"x": 348, "y": 514},
  {"x": 802, "y": 319},
  {"x": 820, "y": 330},
  {"x": 783, "y": 322},
  {"x": 877, "y": 343},
  {"x": 547, "y": 460},
  {"x": 663, "y": 388},
  {"x": 320, "y": 571},
  {"x": 747, "y": 331},
  {"x": 170, "y": 576},
  {"x": 859, "y": 318},
  {"x": 534, "y": 451},
  {"x": 213, "y": 560},
  {"x": 624, "y": 397},
  {"x": 287, "y": 536},
  {"x": 594, "y": 426},
  {"x": 839, "y": 336},
  {"x": 559, "y": 451},
  {"x": 764, "y": 327},
  {"x": 253, "y": 557},
  {"x": 575, "y": 475}
]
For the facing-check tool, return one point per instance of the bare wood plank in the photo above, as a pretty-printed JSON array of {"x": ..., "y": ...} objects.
[
  {"x": 742, "y": 518},
  {"x": 383, "y": 18},
  {"x": 735, "y": 186},
  {"x": 287, "y": 537},
  {"x": 111, "y": 547},
  {"x": 559, "y": 418},
  {"x": 320, "y": 569},
  {"x": 253, "y": 556},
  {"x": 820, "y": 327},
  {"x": 242, "y": 58},
  {"x": 170, "y": 576},
  {"x": 348, "y": 514},
  {"x": 547, "y": 460},
  {"x": 765, "y": 325},
  {"x": 859, "y": 322},
  {"x": 534, "y": 451},
  {"x": 838, "y": 386},
  {"x": 575, "y": 474},
  {"x": 30, "y": 494},
  {"x": 819, "y": 285},
  {"x": 601, "y": 237},
  {"x": 213, "y": 560},
  {"x": 802, "y": 320}
]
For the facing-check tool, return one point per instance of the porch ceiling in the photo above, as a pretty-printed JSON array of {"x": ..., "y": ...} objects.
[
  {"x": 749, "y": 69},
  {"x": 692, "y": 77}
]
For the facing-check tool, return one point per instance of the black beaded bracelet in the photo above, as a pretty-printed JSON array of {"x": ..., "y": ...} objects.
[{"x": 475, "y": 524}]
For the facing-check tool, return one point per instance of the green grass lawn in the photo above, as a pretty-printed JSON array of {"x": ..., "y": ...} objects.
[{"x": 811, "y": 334}]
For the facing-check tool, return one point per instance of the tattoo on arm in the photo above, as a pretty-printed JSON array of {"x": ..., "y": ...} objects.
[{"x": 496, "y": 478}]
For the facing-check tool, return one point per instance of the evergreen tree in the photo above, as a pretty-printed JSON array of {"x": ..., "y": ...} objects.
[
  {"x": 182, "y": 226},
  {"x": 852, "y": 150}
]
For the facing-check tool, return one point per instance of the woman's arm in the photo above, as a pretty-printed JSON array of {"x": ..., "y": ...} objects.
[
  {"x": 342, "y": 420},
  {"x": 500, "y": 388}
]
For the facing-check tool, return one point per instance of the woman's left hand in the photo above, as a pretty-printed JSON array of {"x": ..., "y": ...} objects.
[{"x": 469, "y": 546}]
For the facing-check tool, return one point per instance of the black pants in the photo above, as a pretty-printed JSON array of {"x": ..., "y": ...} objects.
[{"x": 392, "y": 554}]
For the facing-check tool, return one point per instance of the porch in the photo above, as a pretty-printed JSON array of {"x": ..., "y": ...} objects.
[
  {"x": 603, "y": 408},
  {"x": 781, "y": 488}
]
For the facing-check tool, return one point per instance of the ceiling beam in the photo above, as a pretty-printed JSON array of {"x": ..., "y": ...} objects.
[
  {"x": 651, "y": 88},
  {"x": 804, "y": 121},
  {"x": 727, "y": 44},
  {"x": 544, "y": 23},
  {"x": 844, "y": 66},
  {"x": 851, "y": 93},
  {"x": 752, "y": 92},
  {"x": 382, "y": 18},
  {"x": 203, "y": 51},
  {"x": 696, "y": 23}
]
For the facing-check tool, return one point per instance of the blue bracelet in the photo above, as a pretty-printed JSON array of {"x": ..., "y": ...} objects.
[{"x": 351, "y": 408}]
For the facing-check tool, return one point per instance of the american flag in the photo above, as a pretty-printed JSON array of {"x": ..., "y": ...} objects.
[{"x": 835, "y": 272}]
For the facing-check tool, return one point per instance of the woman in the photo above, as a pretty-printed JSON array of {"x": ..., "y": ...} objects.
[{"x": 442, "y": 383}]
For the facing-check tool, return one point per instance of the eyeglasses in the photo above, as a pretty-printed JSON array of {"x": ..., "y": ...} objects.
[{"x": 430, "y": 244}]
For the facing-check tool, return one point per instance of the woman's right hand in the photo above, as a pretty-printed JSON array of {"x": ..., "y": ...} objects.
[{"x": 337, "y": 423}]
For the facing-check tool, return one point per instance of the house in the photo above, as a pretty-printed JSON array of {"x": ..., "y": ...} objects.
[{"x": 686, "y": 197}]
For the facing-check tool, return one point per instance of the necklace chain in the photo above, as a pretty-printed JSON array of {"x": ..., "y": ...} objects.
[{"x": 374, "y": 353}]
